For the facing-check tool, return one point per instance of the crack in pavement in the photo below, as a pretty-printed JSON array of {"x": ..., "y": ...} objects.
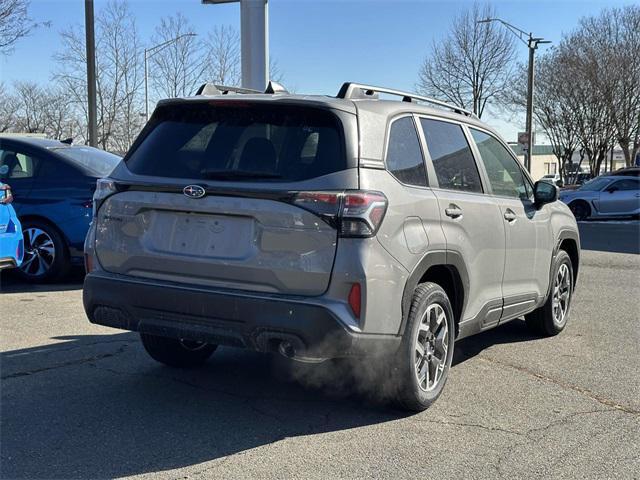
[
  {"x": 66, "y": 364},
  {"x": 567, "y": 386},
  {"x": 474, "y": 425}
]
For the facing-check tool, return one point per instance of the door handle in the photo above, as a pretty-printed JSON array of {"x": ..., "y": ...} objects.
[
  {"x": 510, "y": 216},
  {"x": 453, "y": 211}
]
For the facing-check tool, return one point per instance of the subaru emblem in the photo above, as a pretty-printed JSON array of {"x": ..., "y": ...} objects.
[{"x": 194, "y": 191}]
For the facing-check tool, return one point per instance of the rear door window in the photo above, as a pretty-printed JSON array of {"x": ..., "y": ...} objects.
[
  {"x": 404, "y": 155},
  {"x": 239, "y": 141},
  {"x": 451, "y": 156},
  {"x": 16, "y": 165}
]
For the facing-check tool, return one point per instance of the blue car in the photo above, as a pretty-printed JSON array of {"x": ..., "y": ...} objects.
[
  {"x": 11, "y": 243},
  {"x": 53, "y": 184},
  {"x": 605, "y": 196}
]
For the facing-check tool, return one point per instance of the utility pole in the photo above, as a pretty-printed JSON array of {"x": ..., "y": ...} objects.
[
  {"x": 254, "y": 41},
  {"x": 529, "y": 122},
  {"x": 91, "y": 72},
  {"x": 532, "y": 43}
]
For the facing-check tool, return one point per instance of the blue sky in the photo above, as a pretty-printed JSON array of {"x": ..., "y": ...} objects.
[{"x": 318, "y": 44}]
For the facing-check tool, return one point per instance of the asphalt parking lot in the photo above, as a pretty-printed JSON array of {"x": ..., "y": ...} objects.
[{"x": 82, "y": 401}]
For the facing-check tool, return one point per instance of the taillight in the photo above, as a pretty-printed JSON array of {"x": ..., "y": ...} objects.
[
  {"x": 362, "y": 213},
  {"x": 6, "y": 197},
  {"x": 104, "y": 189},
  {"x": 355, "y": 213},
  {"x": 88, "y": 263},
  {"x": 355, "y": 299}
]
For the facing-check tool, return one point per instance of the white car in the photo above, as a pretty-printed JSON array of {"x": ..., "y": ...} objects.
[{"x": 552, "y": 178}]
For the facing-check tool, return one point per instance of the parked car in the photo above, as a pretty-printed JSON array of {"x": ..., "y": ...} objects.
[
  {"x": 605, "y": 196},
  {"x": 11, "y": 244},
  {"x": 627, "y": 172},
  {"x": 52, "y": 183},
  {"x": 574, "y": 180},
  {"x": 322, "y": 227},
  {"x": 553, "y": 178}
]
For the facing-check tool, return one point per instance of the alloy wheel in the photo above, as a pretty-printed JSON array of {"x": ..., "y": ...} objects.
[
  {"x": 431, "y": 347},
  {"x": 39, "y": 252},
  {"x": 561, "y": 295}
]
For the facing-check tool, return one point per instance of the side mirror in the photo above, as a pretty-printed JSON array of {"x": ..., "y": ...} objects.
[
  {"x": 612, "y": 189},
  {"x": 544, "y": 192}
]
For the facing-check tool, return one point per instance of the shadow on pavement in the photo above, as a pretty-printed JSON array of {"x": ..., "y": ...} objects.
[
  {"x": 98, "y": 407},
  {"x": 613, "y": 236},
  {"x": 11, "y": 283},
  {"x": 511, "y": 332}
]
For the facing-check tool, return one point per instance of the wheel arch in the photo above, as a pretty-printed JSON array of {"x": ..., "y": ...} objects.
[
  {"x": 447, "y": 269},
  {"x": 569, "y": 241}
]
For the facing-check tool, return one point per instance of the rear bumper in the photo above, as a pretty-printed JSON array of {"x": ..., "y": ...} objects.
[{"x": 255, "y": 321}]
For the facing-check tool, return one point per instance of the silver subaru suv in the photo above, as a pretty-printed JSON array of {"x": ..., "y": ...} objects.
[{"x": 376, "y": 223}]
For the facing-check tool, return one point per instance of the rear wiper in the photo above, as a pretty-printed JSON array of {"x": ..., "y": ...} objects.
[{"x": 230, "y": 174}]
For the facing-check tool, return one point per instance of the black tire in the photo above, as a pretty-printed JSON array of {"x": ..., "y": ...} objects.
[
  {"x": 411, "y": 395},
  {"x": 46, "y": 257},
  {"x": 544, "y": 321},
  {"x": 580, "y": 209},
  {"x": 177, "y": 353}
]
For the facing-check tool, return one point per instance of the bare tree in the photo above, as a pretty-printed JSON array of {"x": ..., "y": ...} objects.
[
  {"x": 471, "y": 66},
  {"x": 608, "y": 45},
  {"x": 178, "y": 68},
  {"x": 9, "y": 106},
  {"x": 223, "y": 61},
  {"x": 119, "y": 75},
  {"x": 223, "y": 56},
  {"x": 14, "y": 23}
]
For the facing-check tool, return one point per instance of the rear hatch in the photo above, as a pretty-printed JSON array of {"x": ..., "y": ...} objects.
[{"x": 208, "y": 195}]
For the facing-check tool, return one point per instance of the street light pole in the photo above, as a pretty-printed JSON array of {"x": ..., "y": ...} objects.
[
  {"x": 149, "y": 52},
  {"x": 529, "y": 121},
  {"x": 532, "y": 43}
]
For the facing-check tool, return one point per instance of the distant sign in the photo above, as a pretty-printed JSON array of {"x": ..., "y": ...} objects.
[{"x": 524, "y": 140}]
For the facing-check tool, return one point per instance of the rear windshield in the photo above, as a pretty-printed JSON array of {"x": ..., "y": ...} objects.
[
  {"x": 94, "y": 160},
  {"x": 239, "y": 142}
]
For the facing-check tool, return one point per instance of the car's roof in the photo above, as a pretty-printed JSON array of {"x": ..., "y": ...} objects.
[
  {"x": 379, "y": 106},
  {"x": 34, "y": 141},
  {"x": 614, "y": 177}
]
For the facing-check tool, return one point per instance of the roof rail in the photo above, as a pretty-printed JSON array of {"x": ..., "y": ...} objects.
[
  {"x": 213, "y": 89},
  {"x": 350, "y": 90}
]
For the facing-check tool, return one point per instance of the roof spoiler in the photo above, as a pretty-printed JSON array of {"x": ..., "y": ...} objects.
[
  {"x": 354, "y": 91},
  {"x": 213, "y": 89}
]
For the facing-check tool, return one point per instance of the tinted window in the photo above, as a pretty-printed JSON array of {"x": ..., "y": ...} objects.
[
  {"x": 14, "y": 164},
  {"x": 451, "y": 156},
  {"x": 505, "y": 175},
  {"x": 404, "y": 156},
  {"x": 626, "y": 184},
  {"x": 595, "y": 184},
  {"x": 94, "y": 160},
  {"x": 239, "y": 142}
]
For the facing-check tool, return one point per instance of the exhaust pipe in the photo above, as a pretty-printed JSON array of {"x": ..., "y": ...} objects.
[{"x": 286, "y": 349}]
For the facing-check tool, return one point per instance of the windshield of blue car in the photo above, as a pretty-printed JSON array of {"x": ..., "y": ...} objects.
[
  {"x": 94, "y": 160},
  {"x": 595, "y": 184}
]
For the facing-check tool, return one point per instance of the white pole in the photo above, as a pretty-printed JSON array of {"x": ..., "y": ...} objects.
[{"x": 254, "y": 31}]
